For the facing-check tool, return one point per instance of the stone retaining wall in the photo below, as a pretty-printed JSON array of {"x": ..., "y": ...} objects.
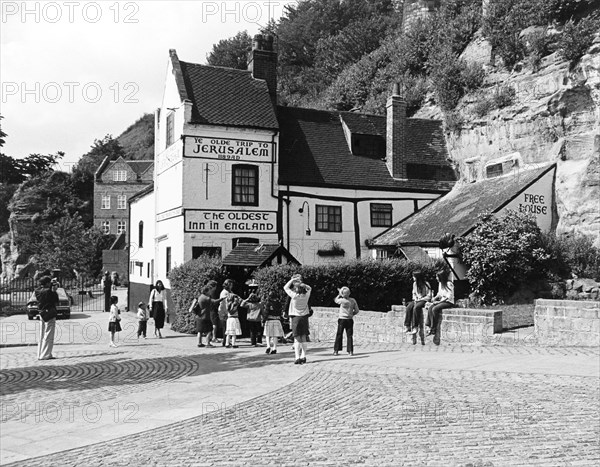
[
  {"x": 458, "y": 325},
  {"x": 567, "y": 322}
]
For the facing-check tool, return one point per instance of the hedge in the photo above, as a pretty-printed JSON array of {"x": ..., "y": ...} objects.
[
  {"x": 187, "y": 281},
  {"x": 376, "y": 285}
]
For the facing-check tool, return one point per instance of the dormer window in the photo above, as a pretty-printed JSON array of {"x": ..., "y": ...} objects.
[
  {"x": 503, "y": 165},
  {"x": 368, "y": 145}
]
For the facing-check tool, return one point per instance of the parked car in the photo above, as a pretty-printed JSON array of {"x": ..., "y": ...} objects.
[{"x": 63, "y": 308}]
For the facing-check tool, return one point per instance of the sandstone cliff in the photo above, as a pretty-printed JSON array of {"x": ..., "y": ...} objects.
[{"x": 554, "y": 117}]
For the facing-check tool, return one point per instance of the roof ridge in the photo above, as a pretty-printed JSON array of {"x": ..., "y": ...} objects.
[{"x": 237, "y": 70}]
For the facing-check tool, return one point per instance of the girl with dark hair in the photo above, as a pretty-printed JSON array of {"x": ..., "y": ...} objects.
[
  {"x": 157, "y": 303},
  {"x": 421, "y": 294},
  {"x": 443, "y": 300}
]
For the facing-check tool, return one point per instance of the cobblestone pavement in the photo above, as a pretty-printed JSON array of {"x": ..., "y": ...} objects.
[{"x": 457, "y": 405}]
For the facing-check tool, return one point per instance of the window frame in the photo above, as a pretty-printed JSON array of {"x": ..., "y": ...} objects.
[
  {"x": 141, "y": 234},
  {"x": 105, "y": 202},
  {"x": 121, "y": 201},
  {"x": 167, "y": 260},
  {"x": 119, "y": 175},
  {"x": 105, "y": 226},
  {"x": 332, "y": 225},
  {"x": 381, "y": 208},
  {"x": 234, "y": 176},
  {"x": 121, "y": 227},
  {"x": 170, "y": 130}
]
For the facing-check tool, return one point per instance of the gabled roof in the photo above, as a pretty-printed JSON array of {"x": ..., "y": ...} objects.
[
  {"x": 224, "y": 96},
  {"x": 456, "y": 213},
  {"x": 255, "y": 255},
  {"x": 314, "y": 152},
  {"x": 140, "y": 166}
]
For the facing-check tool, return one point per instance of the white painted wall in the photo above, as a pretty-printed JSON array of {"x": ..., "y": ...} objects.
[
  {"x": 141, "y": 257},
  {"x": 304, "y": 247},
  {"x": 536, "y": 199}
]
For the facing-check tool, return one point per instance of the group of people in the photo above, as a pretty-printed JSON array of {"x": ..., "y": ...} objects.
[
  {"x": 264, "y": 319},
  {"x": 157, "y": 308},
  {"x": 423, "y": 299}
]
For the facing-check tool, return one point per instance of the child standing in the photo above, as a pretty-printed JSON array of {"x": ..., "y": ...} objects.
[
  {"x": 273, "y": 328},
  {"x": 113, "y": 320},
  {"x": 142, "y": 316},
  {"x": 348, "y": 309},
  {"x": 234, "y": 328},
  {"x": 254, "y": 317}
]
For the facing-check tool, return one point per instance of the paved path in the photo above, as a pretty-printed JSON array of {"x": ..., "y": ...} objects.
[{"x": 167, "y": 402}]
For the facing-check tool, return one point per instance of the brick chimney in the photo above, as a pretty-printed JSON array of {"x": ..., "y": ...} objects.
[
  {"x": 262, "y": 63},
  {"x": 395, "y": 147}
]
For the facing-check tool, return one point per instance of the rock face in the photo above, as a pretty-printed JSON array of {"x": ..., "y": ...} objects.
[{"x": 554, "y": 117}]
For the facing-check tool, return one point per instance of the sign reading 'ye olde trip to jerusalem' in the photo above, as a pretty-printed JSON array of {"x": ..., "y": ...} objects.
[{"x": 228, "y": 149}]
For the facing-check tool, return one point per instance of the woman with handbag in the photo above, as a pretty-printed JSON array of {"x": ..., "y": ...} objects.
[
  {"x": 158, "y": 307},
  {"x": 47, "y": 299},
  {"x": 254, "y": 306},
  {"x": 203, "y": 308}
]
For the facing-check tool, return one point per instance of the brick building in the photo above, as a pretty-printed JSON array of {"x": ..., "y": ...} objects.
[{"x": 114, "y": 183}]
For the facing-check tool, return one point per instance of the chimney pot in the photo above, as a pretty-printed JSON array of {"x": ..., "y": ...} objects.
[{"x": 396, "y": 90}]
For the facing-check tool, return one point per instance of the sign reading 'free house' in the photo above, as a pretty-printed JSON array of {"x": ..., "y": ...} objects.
[
  {"x": 216, "y": 221},
  {"x": 228, "y": 149}
]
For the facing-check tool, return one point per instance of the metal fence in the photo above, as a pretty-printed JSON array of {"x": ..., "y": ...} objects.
[{"x": 85, "y": 295}]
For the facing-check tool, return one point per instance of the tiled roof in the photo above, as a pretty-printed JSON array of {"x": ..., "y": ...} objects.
[
  {"x": 254, "y": 255},
  {"x": 457, "y": 212},
  {"x": 364, "y": 124},
  {"x": 225, "y": 96},
  {"x": 139, "y": 167},
  {"x": 314, "y": 151}
]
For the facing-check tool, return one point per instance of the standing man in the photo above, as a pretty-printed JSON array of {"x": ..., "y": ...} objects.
[{"x": 47, "y": 299}]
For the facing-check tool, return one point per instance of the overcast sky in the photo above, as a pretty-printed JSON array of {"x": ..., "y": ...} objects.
[{"x": 74, "y": 71}]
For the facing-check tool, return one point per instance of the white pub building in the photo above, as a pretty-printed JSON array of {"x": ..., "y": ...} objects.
[{"x": 231, "y": 167}]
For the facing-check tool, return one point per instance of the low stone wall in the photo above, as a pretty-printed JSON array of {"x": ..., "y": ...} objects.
[
  {"x": 458, "y": 325},
  {"x": 567, "y": 322}
]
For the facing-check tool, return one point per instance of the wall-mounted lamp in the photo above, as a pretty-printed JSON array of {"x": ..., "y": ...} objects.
[{"x": 301, "y": 210}]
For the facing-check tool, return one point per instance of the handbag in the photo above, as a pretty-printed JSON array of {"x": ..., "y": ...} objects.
[{"x": 254, "y": 314}]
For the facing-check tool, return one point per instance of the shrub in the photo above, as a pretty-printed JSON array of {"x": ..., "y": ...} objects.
[
  {"x": 503, "y": 253},
  {"x": 577, "y": 37},
  {"x": 504, "y": 96},
  {"x": 483, "y": 107},
  {"x": 187, "y": 281},
  {"x": 473, "y": 75},
  {"x": 573, "y": 255},
  {"x": 537, "y": 45},
  {"x": 454, "y": 121},
  {"x": 376, "y": 285}
]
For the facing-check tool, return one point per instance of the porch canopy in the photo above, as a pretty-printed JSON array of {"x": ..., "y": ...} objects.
[{"x": 254, "y": 255}]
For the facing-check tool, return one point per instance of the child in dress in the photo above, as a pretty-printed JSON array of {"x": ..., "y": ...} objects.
[
  {"x": 233, "y": 323},
  {"x": 273, "y": 328},
  {"x": 142, "y": 316},
  {"x": 113, "y": 320}
]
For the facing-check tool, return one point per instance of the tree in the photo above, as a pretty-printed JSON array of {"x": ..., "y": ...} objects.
[
  {"x": 232, "y": 52},
  {"x": 106, "y": 147},
  {"x": 503, "y": 253},
  {"x": 67, "y": 245}
]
